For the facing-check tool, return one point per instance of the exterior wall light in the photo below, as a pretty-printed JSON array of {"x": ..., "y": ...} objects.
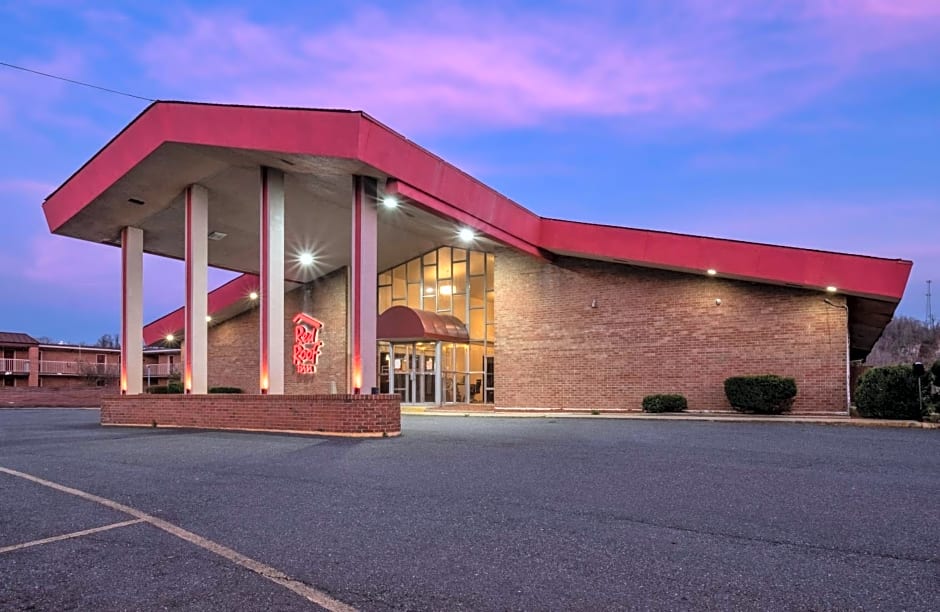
[
  {"x": 711, "y": 271},
  {"x": 717, "y": 301},
  {"x": 466, "y": 234}
]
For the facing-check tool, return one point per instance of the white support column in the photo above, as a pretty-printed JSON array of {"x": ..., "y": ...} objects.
[
  {"x": 132, "y": 310},
  {"x": 272, "y": 282},
  {"x": 363, "y": 280},
  {"x": 195, "y": 377}
]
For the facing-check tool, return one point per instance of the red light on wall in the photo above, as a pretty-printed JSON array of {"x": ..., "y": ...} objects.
[{"x": 307, "y": 343}]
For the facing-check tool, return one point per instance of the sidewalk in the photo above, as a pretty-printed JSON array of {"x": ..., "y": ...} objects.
[{"x": 724, "y": 417}]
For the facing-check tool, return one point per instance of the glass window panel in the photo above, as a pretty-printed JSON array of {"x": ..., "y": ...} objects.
[
  {"x": 460, "y": 307},
  {"x": 460, "y": 277},
  {"x": 490, "y": 307},
  {"x": 461, "y": 354},
  {"x": 476, "y": 358},
  {"x": 476, "y": 262},
  {"x": 443, "y": 262},
  {"x": 385, "y": 278},
  {"x": 476, "y": 292},
  {"x": 459, "y": 255},
  {"x": 399, "y": 272},
  {"x": 399, "y": 288},
  {"x": 430, "y": 277},
  {"x": 430, "y": 258},
  {"x": 476, "y": 325},
  {"x": 490, "y": 269},
  {"x": 385, "y": 298},
  {"x": 414, "y": 295},
  {"x": 430, "y": 303},
  {"x": 414, "y": 270},
  {"x": 491, "y": 332},
  {"x": 443, "y": 302}
]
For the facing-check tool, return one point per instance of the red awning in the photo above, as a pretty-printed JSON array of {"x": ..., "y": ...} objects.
[{"x": 403, "y": 323}]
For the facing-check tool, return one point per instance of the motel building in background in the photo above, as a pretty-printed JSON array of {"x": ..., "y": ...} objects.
[{"x": 368, "y": 264}]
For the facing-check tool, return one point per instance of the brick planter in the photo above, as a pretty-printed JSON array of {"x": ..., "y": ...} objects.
[{"x": 339, "y": 415}]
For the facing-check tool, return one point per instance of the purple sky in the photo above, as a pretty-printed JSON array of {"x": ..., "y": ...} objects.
[{"x": 803, "y": 122}]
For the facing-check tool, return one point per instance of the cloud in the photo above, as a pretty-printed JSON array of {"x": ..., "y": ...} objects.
[{"x": 714, "y": 63}]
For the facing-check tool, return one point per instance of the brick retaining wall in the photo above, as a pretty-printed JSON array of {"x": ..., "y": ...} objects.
[
  {"x": 350, "y": 415},
  {"x": 49, "y": 397}
]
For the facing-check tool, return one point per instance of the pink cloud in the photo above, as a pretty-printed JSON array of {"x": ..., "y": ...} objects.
[{"x": 458, "y": 66}]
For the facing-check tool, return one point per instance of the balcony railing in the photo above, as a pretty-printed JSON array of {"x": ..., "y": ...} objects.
[
  {"x": 14, "y": 366},
  {"x": 78, "y": 368},
  {"x": 161, "y": 370}
]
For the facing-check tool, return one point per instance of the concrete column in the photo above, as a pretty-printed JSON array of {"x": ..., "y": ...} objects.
[
  {"x": 132, "y": 310},
  {"x": 272, "y": 282},
  {"x": 363, "y": 281},
  {"x": 195, "y": 359}
]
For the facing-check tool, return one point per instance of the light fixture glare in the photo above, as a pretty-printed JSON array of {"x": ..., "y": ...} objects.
[
  {"x": 305, "y": 259},
  {"x": 466, "y": 234},
  {"x": 711, "y": 271},
  {"x": 389, "y": 202}
]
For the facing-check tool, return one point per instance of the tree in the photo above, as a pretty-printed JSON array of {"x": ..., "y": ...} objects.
[
  {"x": 108, "y": 341},
  {"x": 904, "y": 341}
]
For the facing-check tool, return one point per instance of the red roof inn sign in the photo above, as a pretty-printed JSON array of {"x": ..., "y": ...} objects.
[{"x": 307, "y": 343}]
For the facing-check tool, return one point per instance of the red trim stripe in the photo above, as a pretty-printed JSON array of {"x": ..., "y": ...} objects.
[
  {"x": 124, "y": 354},
  {"x": 357, "y": 282}
]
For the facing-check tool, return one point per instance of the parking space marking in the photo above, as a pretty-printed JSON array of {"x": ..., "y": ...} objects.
[
  {"x": 266, "y": 571},
  {"x": 69, "y": 536}
]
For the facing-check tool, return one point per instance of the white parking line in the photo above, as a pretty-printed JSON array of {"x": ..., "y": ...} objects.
[
  {"x": 69, "y": 536},
  {"x": 318, "y": 597}
]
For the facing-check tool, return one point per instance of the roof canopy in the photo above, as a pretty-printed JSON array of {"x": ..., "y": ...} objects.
[
  {"x": 400, "y": 323},
  {"x": 137, "y": 179}
]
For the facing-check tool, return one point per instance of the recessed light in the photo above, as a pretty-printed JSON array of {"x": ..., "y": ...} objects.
[
  {"x": 217, "y": 235},
  {"x": 170, "y": 337},
  {"x": 466, "y": 234},
  {"x": 208, "y": 318},
  {"x": 429, "y": 290},
  {"x": 136, "y": 201},
  {"x": 305, "y": 259},
  {"x": 253, "y": 295},
  {"x": 711, "y": 271},
  {"x": 390, "y": 202},
  {"x": 832, "y": 289}
]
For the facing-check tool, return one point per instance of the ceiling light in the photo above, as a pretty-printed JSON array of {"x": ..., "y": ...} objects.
[
  {"x": 711, "y": 271},
  {"x": 466, "y": 234},
  {"x": 170, "y": 337},
  {"x": 831, "y": 289},
  {"x": 429, "y": 291},
  {"x": 208, "y": 318},
  {"x": 389, "y": 202},
  {"x": 217, "y": 235},
  {"x": 305, "y": 259},
  {"x": 253, "y": 295},
  {"x": 447, "y": 289}
]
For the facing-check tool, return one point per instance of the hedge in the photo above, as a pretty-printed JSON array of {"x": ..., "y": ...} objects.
[
  {"x": 889, "y": 393},
  {"x": 225, "y": 390},
  {"x": 664, "y": 403},
  {"x": 765, "y": 394},
  {"x": 171, "y": 387}
]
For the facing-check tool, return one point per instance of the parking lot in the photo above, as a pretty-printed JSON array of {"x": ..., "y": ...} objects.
[{"x": 468, "y": 513}]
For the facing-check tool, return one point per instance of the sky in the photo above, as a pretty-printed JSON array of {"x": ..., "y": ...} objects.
[{"x": 811, "y": 123}]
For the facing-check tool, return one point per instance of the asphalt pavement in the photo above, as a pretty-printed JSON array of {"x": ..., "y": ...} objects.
[{"x": 474, "y": 514}]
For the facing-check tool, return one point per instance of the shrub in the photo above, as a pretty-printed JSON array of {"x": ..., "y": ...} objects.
[
  {"x": 888, "y": 393},
  {"x": 664, "y": 403},
  {"x": 170, "y": 387},
  {"x": 766, "y": 394},
  {"x": 225, "y": 390}
]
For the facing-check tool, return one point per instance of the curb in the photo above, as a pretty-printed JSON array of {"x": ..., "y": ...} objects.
[{"x": 529, "y": 414}]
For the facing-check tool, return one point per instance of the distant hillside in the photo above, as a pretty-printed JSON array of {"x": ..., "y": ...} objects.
[{"x": 906, "y": 340}]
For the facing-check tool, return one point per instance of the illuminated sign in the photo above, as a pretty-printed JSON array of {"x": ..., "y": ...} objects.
[{"x": 307, "y": 343}]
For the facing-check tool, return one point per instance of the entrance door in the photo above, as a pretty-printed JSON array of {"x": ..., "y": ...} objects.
[{"x": 410, "y": 370}]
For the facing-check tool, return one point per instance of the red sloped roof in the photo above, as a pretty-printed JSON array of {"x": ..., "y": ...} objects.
[{"x": 17, "y": 339}]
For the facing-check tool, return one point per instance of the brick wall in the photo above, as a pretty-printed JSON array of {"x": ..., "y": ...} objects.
[
  {"x": 656, "y": 332},
  {"x": 233, "y": 344},
  {"x": 363, "y": 415},
  {"x": 43, "y": 397}
]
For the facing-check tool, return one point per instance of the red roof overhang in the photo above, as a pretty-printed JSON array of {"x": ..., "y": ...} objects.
[{"x": 433, "y": 184}]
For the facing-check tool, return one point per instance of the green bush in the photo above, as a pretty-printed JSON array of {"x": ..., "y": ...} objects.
[
  {"x": 765, "y": 394},
  {"x": 225, "y": 390},
  {"x": 170, "y": 387},
  {"x": 889, "y": 393},
  {"x": 664, "y": 403}
]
